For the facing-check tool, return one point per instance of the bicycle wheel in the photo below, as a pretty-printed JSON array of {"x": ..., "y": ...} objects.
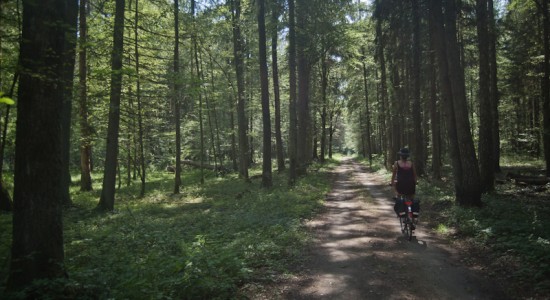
[
  {"x": 410, "y": 228},
  {"x": 406, "y": 229}
]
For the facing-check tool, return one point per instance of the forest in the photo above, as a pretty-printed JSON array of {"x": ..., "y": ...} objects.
[{"x": 155, "y": 149}]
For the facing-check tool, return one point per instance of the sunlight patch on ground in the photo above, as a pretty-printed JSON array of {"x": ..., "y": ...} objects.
[
  {"x": 442, "y": 229},
  {"x": 182, "y": 200},
  {"x": 194, "y": 200}
]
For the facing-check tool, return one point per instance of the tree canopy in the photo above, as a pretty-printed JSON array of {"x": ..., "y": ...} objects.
[{"x": 162, "y": 84}]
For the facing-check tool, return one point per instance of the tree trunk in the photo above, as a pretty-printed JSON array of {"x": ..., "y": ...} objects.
[
  {"x": 418, "y": 144},
  {"x": 216, "y": 123},
  {"x": 330, "y": 134},
  {"x": 239, "y": 70},
  {"x": 139, "y": 108},
  {"x": 209, "y": 111},
  {"x": 395, "y": 118},
  {"x": 46, "y": 54},
  {"x": 292, "y": 130},
  {"x": 251, "y": 160},
  {"x": 107, "y": 200},
  {"x": 315, "y": 134},
  {"x": 545, "y": 83},
  {"x": 66, "y": 119},
  {"x": 494, "y": 86},
  {"x": 434, "y": 109},
  {"x": 465, "y": 166},
  {"x": 233, "y": 140},
  {"x": 384, "y": 95},
  {"x": 324, "y": 85},
  {"x": 470, "y": 194},
  {"x": 199, "y": 88},
  {"x": 302, "y": 103},
  {"x": 264, "y": 83},
  {"x": 131, "y": 167},
  {"x": 85, "y": 135},
  {"x": 438, "y": 38},
  {"x": 368, "y": 139},
  {"x": 177, "y": 98},
  {"x": 486, "y": 148},
  {"x": 275, "y": 11}
]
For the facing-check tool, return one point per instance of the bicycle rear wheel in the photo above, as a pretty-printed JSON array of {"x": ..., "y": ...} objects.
[
  {"x": 406, "y": 227},
  {"x": 410, "y": 228}
]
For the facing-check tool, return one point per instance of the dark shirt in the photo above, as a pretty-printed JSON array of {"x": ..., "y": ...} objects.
[{"x": 405, "y": 184}]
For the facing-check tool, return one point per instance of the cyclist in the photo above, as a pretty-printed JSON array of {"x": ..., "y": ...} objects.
[
  {"x": 403, "y": 178},
  {"x": 404, "y": 181}
]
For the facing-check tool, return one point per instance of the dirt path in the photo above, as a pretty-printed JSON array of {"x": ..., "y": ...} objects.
[{"x": 360, "y": 253}]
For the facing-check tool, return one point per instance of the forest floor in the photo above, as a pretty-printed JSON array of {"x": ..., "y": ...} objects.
[{"x": 359, "y": 252}]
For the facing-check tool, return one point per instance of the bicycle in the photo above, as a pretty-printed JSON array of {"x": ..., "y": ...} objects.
[{"x": 407, "y": 217}]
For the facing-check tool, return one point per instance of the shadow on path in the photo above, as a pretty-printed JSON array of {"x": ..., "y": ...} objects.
[{"x": 360, "y": 252}]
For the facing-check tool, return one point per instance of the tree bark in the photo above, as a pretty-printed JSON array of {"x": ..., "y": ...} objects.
[
  {"x": 302, "y": 104},
  {"x": 292, "y": 130},
  {"x": 418, "y": 144},
  {"x": 434, "y": 109},
  {"x": 233, "y": 140},
  {"x": 395, "y": 118},
  {"x": 275, "y": 10},
  {"x": 85, "y": 135},
  {"x": 384, "y": 95},
  {"x": 465, "y": 165},
  {"x": 486, "y": 148},
  {"x": 494, "y": 85},
  {"x": 66, "y": 118},
  {"x": 177, "y": 98},
  {"x": 46, "y": 54},
  {"x": 438, "y": 38},
  {"x": 324, "y": 85},
  {"x": 210, "y": 109},
  {"x": 216, "y": 122},
  {"x": 107, "y": 200},
  {"x": 238, "y": 53},
  {"x": 264, "y": 83},
  {"x": 199, "y": 87},
  {"x": 545, "y": 82},
  {"x": 139, "y": 105},
  {"x": 369, "y": 148}
]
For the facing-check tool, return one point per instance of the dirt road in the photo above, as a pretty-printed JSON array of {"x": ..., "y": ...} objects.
[{"x": 360, "y": 252}]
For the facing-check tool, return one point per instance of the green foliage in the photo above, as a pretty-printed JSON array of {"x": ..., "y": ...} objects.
[
  {"x": 202, "y": 244},
  {"x": 6, "y": 100},
  {"x": 509, "y": 229},
  {"x": 377, "y": 163}
]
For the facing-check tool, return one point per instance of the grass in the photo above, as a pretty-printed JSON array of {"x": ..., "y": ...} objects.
[{"x": 206, "y": 242}]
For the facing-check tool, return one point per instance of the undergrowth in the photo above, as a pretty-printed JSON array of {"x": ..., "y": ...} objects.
[
  {"x": 203, "y": 243},
  {"x": 508, "y": 234}
]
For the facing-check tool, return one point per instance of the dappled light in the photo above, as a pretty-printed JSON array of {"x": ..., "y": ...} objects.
[{"x": 264, "y": 149}]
